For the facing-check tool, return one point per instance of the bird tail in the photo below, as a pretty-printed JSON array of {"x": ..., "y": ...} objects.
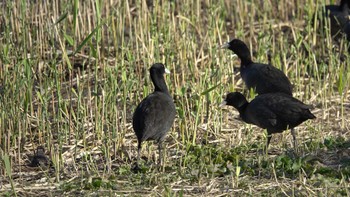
[{"x": 309, "y": 115}]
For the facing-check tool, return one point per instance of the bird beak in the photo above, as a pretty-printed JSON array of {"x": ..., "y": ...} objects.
[
  {"x": 167, "y": 71},
  {"x": 225, "y": 46},
  {"x": 223, "y": 103}
]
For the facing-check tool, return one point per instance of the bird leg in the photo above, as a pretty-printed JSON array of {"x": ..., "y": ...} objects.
[
  {"x": 160, "y": 153},
  {"x": 269, "y": 136},
  {"x": 295, "y": 142},
  {"x": 138, "y": 153},
  {"x": 136, "y": 167}
]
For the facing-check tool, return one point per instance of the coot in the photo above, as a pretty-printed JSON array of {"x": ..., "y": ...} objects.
[
  {"x": 339, "y": 18},
  {"x": 263, "y": 77},
  {"x": 274, "y": 112},
  {"x": 155, "y": 114},
  {"x": 39, "y": 158}
]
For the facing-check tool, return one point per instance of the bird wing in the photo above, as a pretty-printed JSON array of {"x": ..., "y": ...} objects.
[
  {"x": 276, "y": 77},
  {"x": 286, "y": 108},
  {"x": 267, "y": 78},
  {"x": 260, "y": 115},
  {"x": 153, "y": 116}
]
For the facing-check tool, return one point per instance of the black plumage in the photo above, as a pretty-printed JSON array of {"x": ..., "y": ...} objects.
[
  {"x": 155, "y": 115},
  {"x": 274, "y": 112},
  {"x": 339, "y": 18},
  {"x": 263, "y": 77},
  {"x": 39, "y": 158}
]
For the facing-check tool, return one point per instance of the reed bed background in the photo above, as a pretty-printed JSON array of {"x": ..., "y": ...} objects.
[{"x": 72, "y": 73}]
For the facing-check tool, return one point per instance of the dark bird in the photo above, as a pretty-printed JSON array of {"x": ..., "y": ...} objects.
[
  {"x": 155, "y": 115},
  {"x": 263, "y": 77},
  {"x": 39, "y": 158},
  {"x": 339, "y": 18},
  {"x": 274, "y": 112}
]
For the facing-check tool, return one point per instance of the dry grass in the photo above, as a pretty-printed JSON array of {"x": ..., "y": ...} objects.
[{"x": 72, "y": 73}]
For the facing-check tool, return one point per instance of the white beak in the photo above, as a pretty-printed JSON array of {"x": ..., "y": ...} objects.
[
  {"x": 167, "y": 71},
  {"x": 225, "y": 46},
  {"x": 223, "y": 103}
]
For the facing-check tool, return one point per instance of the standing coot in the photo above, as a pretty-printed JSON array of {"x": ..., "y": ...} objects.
[
  {"x": 155, "y": 114},
  {"x": 263, "y": 77},
  {"x": 274, "y": 112}
]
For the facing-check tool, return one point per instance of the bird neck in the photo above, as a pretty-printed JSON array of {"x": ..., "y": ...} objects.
[
  {"x": 241, "y": 108},
  {"x": 159, "y": 84},
  {"x": 245, "y": 60}
]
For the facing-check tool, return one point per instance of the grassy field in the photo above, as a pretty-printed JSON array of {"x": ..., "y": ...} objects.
[{"x": 72, "y": 73}]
